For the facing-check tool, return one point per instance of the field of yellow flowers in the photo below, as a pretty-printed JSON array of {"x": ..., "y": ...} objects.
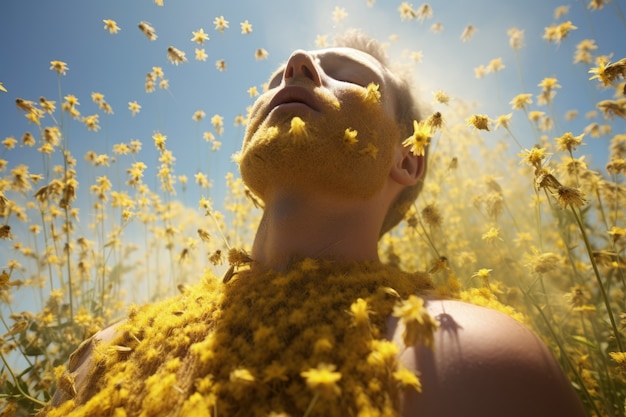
[{"x": 513, "y": 214}]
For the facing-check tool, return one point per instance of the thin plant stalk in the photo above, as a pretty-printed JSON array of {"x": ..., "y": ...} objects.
[{"x": 605, "y": 297}]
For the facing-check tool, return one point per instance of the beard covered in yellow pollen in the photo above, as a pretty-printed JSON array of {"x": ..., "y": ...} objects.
[
  {"x": 344, "y": 153},
  {"x": 309, "y": 341}
]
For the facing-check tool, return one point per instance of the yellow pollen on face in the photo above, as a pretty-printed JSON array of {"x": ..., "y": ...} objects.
[
  {"x": 372, "y": 95},
  {"x": 370, "y": 150},
  {"x": 349, "y": 136},
  {"x": 297, "y": 128}
]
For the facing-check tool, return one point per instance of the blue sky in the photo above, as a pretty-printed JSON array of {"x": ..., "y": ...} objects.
[{"x": 32, "y": 33}]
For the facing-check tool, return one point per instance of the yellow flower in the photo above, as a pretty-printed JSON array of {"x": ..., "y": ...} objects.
[
  {"x": 360, "y": 312},
  {"x": 372, "y": 95},
  {"x": 607, "y": 73},
  {"x": 616, "y": 233},
  {"x": 321, "y": 41},
  {"x": 556, "y": 33},
  {"x": 432, "y": 215},
  {"x": 483, "y": 274},
  {"x": 5, "y": 233},
  {"x": 201, "y": 54},
  {"x": 578, "y": 296},
  {"x": 479, "y": 121},
  {"x": 349, "y": 136},
  {"x": 134, "y": 107},
  {"x": 406, "y": 11},
  {"x": 583, "y": 51},
  {"x": 420, "y": 138},
  {"x": 495, "y": 65},
  {"x": 339, "y": 14},
  {"x": 47, "y": 105},
  {"x": 435, "y": 122},
  {"x": 92, "y": 122},
  {"x": 520, "y": 101},
  {"x": 549, "y": 83},
  {"x": 441, "y": 97},
  {"x": 561, "y": 11},
  {"x": 298, "y": 128},
  {"x": 597, "y": 4},
  {"x": 241, "y": 375},
  {"x": 480, "y": 71},
  {"x": 569, "y": 142},
  {"x": 218, "y": 123},
  {"x": 246, "y": 27},
  {"x": 198, "y": 115},
  {"x": 516, "y": 38},
  {"x": 407, "y": 379},
  {"x": 543, "y": 262},
  {"x": 220, "y": 24},
  {"x": 425, "y": 11},
  {"x": 9, "y": 143},
  {"x": 323, "y": 379},
  {"x": 503, "y": 121},
  {"x": 220, "y": 64},
  {"x": 534, "y": 156},
  {"x": 157, "y": 72},
  {"x": 111, "y": 25},
  {"x": 159, "y": 140},
  {"x": 97, "y": 98},
  {"x": 436, "y": 27},
  {"x": 147, "y": 30},
  {"x": 419, "y": 326},
  {"x": 175, "y": 55},
  {"x": 253, "y": 92},
  {"x": 570, "y": 196},
  {"x": 620, "y": 358},
  {"x": 59, "y": 66},
  {"x": 200, "y": 36},
  {"x": 492, "y": 235},
  {"x": 468, "y": 32},
  {"x": 260, "y": 54}
]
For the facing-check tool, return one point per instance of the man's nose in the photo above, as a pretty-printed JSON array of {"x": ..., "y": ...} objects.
[{"x": 301, "y": 65}]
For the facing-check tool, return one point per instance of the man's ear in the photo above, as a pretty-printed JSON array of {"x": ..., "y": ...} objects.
[{"x": 407, "y": 168}]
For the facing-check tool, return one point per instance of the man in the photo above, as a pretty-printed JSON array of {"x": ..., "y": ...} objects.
[{"x": 308, "y": 328}]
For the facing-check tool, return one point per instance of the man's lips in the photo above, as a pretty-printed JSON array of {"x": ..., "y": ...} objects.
[{"x": 294, "y": 94}]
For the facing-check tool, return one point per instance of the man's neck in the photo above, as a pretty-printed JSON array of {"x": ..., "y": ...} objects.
[{"x": 296, "y": 226}]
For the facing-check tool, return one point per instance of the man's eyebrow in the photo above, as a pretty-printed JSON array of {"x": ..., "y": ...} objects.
[{"x": 355, "y": 62}]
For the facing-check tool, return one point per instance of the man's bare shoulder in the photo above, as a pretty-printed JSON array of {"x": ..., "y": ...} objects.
[
  {"x": 484, "y": 363},
  {"x": 80, "y": 361}
]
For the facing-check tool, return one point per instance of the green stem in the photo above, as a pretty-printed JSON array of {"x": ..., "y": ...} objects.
[
  {"x": 311, "y": 405},
  {"x": 605, "y": 297},
  {"x": 17, "y": 383},
  {"x": 564, "y": 355}
]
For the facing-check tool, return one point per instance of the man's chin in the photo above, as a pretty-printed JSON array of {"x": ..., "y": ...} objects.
[{"x": 280, "y": 164}]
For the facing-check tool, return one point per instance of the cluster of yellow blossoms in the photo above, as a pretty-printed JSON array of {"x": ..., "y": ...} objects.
[{"x": 310, "y": 341}]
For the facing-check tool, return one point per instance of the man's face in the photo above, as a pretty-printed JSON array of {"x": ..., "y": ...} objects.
[{"x": 322, "y": 127}]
